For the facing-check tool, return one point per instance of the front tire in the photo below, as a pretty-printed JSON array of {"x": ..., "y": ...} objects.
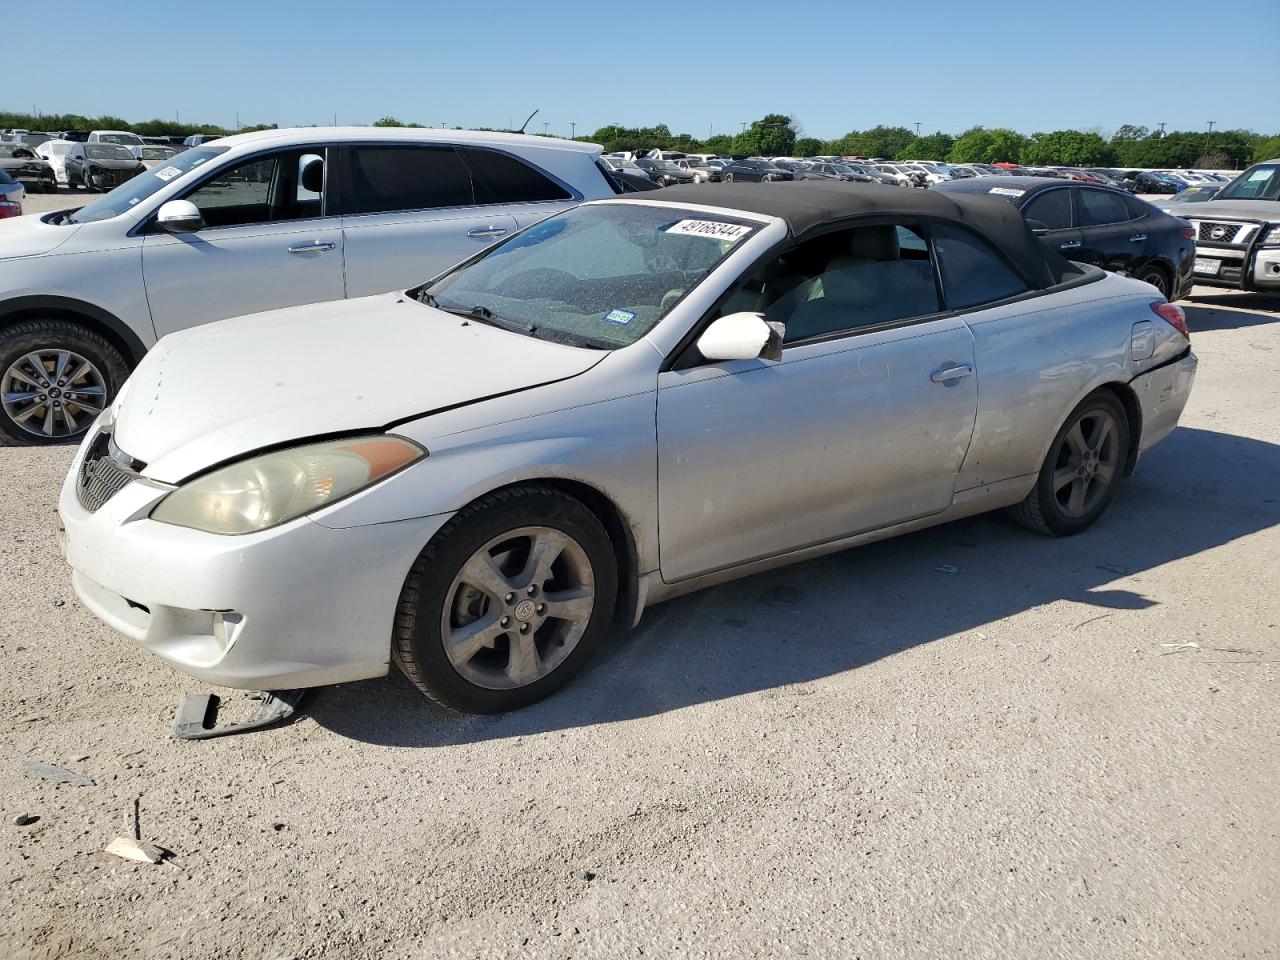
[
  {"x": 1082, "y": 470},
  {"x": 507, "y": 602},
  {"x": 55, "y": 378}
]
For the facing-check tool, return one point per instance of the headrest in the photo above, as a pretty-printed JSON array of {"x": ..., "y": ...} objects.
[
  {"x": 313, "y": 176},
  {"x": 875, "y": 243}
]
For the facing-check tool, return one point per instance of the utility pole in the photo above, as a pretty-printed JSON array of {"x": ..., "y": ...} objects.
[
  {"x": 744, "y": 126},
  {"x": 1209, "y": 136},
  {"x": 917, "y": 128},
  {"x": 237, "y": 119},
  {"x": 545, "y": 127},
  {"x": 1162, "y": 129},
  {"x": 573, "y": 130}
]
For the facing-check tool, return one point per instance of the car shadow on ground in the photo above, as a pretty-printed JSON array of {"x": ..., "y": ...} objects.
[
  {"x": 1230, "y": 311},
  {"x": 1196, "y": 491}
]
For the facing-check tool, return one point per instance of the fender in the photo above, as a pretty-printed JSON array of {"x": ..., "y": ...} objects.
[{"x": 134, "y": 348}]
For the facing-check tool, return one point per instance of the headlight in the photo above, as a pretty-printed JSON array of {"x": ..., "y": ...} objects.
[
  {"x": 1272, "y": 239},
  {"x": 274, "y": 488}
]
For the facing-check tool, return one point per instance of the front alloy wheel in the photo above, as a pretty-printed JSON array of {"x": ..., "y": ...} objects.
[
  {"x": 56, "y": 377},
  {"x": 507, "y": 601}
]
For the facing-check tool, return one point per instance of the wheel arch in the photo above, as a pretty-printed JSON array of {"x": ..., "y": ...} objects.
[
  {"x": 101, "y": 321},
  {"x": 1133, "y": 412}
]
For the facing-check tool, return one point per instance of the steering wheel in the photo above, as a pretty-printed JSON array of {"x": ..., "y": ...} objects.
[
  {"x": 527, "y": 282},
  {"x": 669, "y": 299}
]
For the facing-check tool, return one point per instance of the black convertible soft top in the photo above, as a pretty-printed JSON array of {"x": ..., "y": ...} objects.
[{"x": 812, "y": 206}]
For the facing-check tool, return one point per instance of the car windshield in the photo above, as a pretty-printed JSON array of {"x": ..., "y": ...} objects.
[
  {"x": 158, "y": 153},
  {"x": 106, "y": 151},
  {"x": 600, "y": 275},
  {"x": 16, "y": 151},
  {"x": 132, "y": 192},
  {"x": 1260, "y": 182}
]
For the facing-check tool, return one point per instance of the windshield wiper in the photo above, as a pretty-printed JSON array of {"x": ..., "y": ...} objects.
[
  {"x": 478, "y": 312},
  {"x": 485, "y": 315}
]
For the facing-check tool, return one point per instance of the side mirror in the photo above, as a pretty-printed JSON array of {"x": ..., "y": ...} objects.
[
  {"x": 179, "y": 216},
  {"x": 741, "y": 336}
]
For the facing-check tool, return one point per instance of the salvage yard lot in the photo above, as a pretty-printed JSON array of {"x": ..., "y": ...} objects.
[{"x": 967, "y": 742}]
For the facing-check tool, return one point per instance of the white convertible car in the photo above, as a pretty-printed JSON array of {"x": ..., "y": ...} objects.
[{"x": 629, "y": 400}]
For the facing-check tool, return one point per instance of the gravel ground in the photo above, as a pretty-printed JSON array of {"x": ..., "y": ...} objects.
[{"x": 1066, "y": 748}]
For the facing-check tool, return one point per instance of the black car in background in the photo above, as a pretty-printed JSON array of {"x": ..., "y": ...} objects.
[
  {"x": 664, "y": 172},
  {"x": 754, "y": 171},
  {"x": 1109, "y": 228},
  {"x": 825, "y": 171}
]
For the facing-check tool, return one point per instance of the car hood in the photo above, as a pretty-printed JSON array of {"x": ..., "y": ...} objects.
[
  {"x": 1245, "y": 209},
  {"x": 112, "y": 164},
  {"x": 31, "y": 237},
  {"x": 219, "y": 391}
]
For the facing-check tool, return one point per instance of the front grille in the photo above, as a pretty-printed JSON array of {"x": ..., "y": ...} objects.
[
  {"x": 101, "y": 476},
  {"x": 1212, "y": 232}
]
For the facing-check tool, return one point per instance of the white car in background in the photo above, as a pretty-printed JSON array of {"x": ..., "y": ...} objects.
[
  {"x": 122, "y": 137},
  {"x": 252, "y": 222},
  {"x": 152, "y": 154},
  {"x": 54, "y": 152}
]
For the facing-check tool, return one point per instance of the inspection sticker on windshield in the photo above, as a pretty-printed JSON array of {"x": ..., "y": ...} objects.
[
  {"x": 620, "y": 316},
  {"x": 168, "y": 173},
  {"x": 1006, "y": 191},
  {"x": 732, "y": 232}
]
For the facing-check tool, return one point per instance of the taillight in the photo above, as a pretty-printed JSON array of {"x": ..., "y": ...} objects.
[
  {"x": 10, "y": 208},
  {"x": 1172, "y": 314}
]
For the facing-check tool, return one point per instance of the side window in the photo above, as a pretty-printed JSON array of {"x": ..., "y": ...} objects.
[
  {"x": 282, "y": 186},
  {"x": 1097, "y": 207},
  {"x": 841, "y": 282},
  {"x": 973, "y": 273},
  {"x": 501, "y": 178},
  {"x": 384, "y": 179},
  {"x": 1052, "y": 208},
  {"x": 239, "y": 196}
]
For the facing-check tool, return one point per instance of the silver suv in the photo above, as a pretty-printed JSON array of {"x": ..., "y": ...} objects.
[
  {"x": 250, "y": 223},
  {"x": 1238, "y": 231}
]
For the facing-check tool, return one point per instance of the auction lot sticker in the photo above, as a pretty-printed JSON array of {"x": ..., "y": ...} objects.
[{"x": 733, "y": 232}]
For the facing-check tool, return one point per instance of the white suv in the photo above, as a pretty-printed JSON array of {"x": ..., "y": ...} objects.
[{"x": 251, "y": 223}]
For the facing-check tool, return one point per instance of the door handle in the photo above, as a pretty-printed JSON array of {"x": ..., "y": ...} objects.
[
  {"x": 1137, "y": 238},
  {"x": 317, "y": 247},
  {"x": 479, "y": 233},
  {"x": 1069, "y": 245},
  {"x": 947, "y": 374}
]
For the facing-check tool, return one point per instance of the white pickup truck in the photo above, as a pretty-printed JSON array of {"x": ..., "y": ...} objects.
[{"x": 1238, "y": 231}]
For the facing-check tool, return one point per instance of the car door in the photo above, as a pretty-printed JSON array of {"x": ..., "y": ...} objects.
[
  {"x": 72, "y": 164},
  {"x": 863, "y": 423},
  {"x": 409, "y": 212},
  {"x": 268, "y": 241},
  {"x": 1051, "y": 216},
  {"x": 1109, "y": 236},
  {"x": 527, "y": 194}
]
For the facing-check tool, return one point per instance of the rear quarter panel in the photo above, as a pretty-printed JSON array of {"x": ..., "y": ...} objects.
[{"x": 1039, "y": 358}]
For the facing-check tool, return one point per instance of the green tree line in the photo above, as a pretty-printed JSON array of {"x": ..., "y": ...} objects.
[{"x": 777, "y": 134}]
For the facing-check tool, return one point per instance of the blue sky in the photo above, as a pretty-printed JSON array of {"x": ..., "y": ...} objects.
[{"x": 706, "y": 67}]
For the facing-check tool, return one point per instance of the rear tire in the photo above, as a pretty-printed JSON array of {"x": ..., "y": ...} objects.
[
  {"x": 30, "y": 413},
  {"x": 483, "y": 625},
  {"x": 1082, "y": 470},
  {"x": 1156, "y": 276}
]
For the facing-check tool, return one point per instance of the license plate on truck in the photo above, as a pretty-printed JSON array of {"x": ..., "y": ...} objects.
[{"x": 1207, "y": 265}]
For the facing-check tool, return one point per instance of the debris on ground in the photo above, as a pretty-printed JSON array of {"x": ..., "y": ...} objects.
[
  {"x": 126, "y": 848},
  {"x": 47, "y": 771},
  {"x": 25, "y": 819}
]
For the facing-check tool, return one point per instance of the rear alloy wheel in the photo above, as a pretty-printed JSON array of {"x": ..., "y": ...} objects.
[
  {"x": 1082, "y": 470},
  {"x": 56, "y": 377},
  {"x": 507, "y": 601},
  {"x": 728, "y": 178},
  {"x": 1156, "y": 277}
]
